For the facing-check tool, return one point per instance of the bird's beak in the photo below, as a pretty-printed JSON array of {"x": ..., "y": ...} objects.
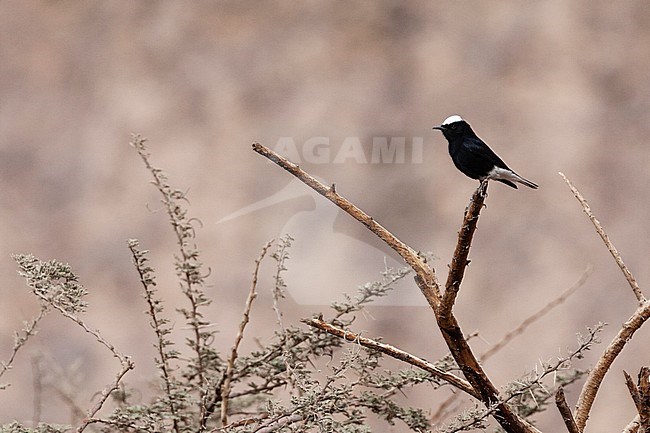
[{"x": 439, "y": 128}]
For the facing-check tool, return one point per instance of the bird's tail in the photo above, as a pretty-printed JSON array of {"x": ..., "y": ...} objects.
[
  {"x": 526, "y": 182},
  {"x": 509, "y": 177}
]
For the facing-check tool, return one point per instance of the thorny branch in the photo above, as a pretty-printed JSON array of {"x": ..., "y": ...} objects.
[
  {"x": 394, "y": 352},
  {"x": 57, "y": 286},
  {"x": 158, "y": 324},
  {"x": 527, "y": 385},
  {"x": 188, "y": 266},
  {"x": 20, "y": 339},
  {"x": 227, "y": 376}
]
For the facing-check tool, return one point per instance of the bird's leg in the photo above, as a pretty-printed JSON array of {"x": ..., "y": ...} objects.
[{"x": 483, "y": 187}]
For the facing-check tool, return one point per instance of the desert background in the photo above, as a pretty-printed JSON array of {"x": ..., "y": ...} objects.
[{"x": 550, "y": 85}]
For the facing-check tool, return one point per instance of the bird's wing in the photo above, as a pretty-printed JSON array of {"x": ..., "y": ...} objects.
[{"x": 478, "y": 148}]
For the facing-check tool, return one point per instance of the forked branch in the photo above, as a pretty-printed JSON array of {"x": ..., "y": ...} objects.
[{"x": 428, "y": 284}]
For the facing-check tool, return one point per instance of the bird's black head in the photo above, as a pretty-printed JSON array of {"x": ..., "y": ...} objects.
[{"x": 454, "y": 127}]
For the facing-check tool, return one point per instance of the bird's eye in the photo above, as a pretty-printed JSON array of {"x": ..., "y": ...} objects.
[{"x": 453, "y": 126}]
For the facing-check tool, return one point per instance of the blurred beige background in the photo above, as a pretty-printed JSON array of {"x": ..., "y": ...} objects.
[{"x": 551, "y": 85}]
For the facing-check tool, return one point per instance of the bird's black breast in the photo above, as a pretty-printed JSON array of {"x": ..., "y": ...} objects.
[{"x": 473, "y": 157}]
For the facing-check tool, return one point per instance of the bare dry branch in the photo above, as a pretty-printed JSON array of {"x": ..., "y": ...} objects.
[
  {"x": 596, "y": 376},
  {"x": 428, "y": 284},
  {"x": 641, "y": 395},
  {"x": 610, "y": 246},
  {"x": 225, "y": 387},
  {"x": 565, "y": 411},
  {"x": 444, "y": 408},
  {"x": 459, "y": 260},
  {"x": 394, "y": 352}
]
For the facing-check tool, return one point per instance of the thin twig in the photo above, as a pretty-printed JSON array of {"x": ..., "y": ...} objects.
[
  {"x": 610, "y": 246},
  {"x": 252, "y": 294},
  {"x": 565, "y": 411},
  {"x": 538, "y": 314},
  {"x": 147, "y": 279},
  {"x": 20, "y": 339},
  {"x": 394, "y": 352},
  {"x": 126, "y": 362},
  {"x": 188, "y": 264},
  {"x": 106, "y": 392},
  {"x": 278, "y": 423}
]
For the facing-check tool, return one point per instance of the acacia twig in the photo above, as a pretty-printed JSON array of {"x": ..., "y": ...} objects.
[
  {"x": 127, "y": 364},
  {"x": 608, "y": 243},
  {"x": 565, "y": 411},
  {"x": 188, "y": 265},
  {"x": 394, "y": 352},
  {"x": 227, "y": 377},
  {"x": 106, "y": 392},
  {"x": 426, "y": 280},
  {"x": 537, "y": 315},
  {"x": 30, "y": 329},
  {"x": 159, "y": 325}
]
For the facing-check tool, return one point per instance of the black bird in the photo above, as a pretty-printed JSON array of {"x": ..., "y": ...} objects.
[{"x": 475, "y": 158}]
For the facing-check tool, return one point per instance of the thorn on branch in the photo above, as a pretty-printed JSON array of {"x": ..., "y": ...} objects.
[{"x": 394, "y": 352}]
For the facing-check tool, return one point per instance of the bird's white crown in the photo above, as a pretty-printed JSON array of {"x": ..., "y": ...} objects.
[{"x": 452, "y": 119}]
